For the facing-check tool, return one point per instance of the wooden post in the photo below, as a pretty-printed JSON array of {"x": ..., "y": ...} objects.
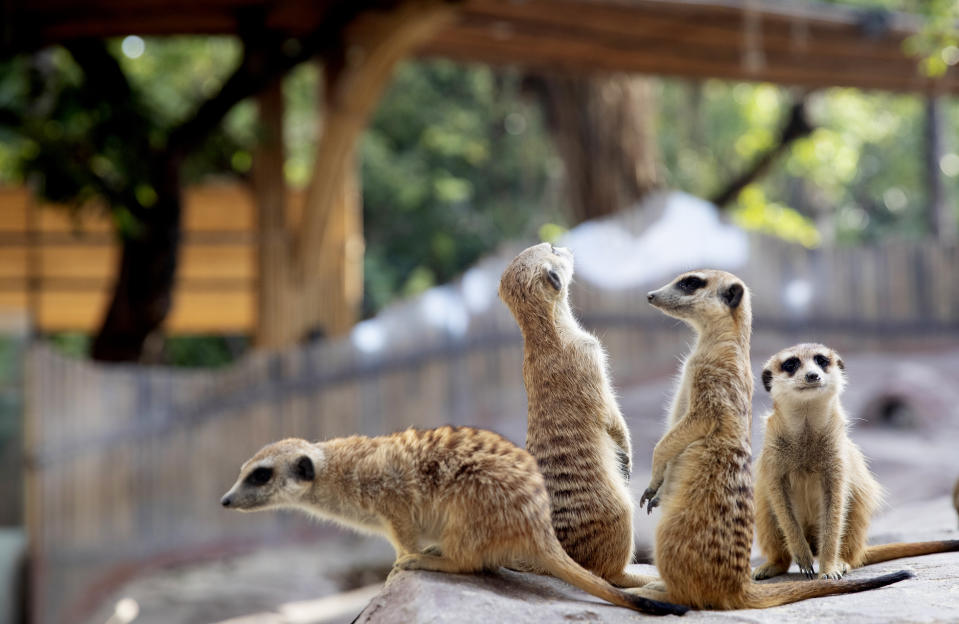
[
  {"x": 311, "y": 277},
  {"x": 371, "y": 52},
  {"x": 273, "y": 305}
]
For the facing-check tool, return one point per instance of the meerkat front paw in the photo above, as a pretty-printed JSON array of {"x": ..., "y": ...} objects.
[
  {"x": 652, "y": 495},
  {"x": 834, "y": 572},
  {"x": 805, "y": 562}
]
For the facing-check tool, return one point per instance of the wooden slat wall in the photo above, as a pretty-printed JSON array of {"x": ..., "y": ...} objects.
[{"x": 61, "y": 269}]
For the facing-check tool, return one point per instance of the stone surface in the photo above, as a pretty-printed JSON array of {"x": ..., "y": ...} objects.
[{"x": 506, "y": 596}]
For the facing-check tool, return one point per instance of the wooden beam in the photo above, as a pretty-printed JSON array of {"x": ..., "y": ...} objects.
[{"x": 353, "y": 92}]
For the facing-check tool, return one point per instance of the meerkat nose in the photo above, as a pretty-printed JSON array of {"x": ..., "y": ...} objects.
[
  {"x": 650, "y": 296},
  {"x": 811, "y": 377},
  {"x": 225, "y": 501}
]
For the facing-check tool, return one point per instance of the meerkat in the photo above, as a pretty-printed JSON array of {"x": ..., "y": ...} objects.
[
  {"x": 575, "y": 429},
  {"x": 814, "y": 493},
  {"x": 470, "y": 492},
  {"x": 705, "y": 535}
]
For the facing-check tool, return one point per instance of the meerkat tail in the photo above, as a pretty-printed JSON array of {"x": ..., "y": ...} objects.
[
  {"x": 887, "y": 552},
  {"x": 763, "y": 595},
  {"x": 563, "y": 567}
]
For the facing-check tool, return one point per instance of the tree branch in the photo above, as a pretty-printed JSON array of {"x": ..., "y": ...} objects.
[
  {"x": 264, "y": 60},
  {"x": 796, "y": 127}
]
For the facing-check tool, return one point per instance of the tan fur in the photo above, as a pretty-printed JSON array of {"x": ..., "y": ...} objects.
[
  {"x": 575, "y": 429},
  {"x": 470, "y": 492},
  {"x": 704, "y": 538},
  {"x": 815, "y": 495}
]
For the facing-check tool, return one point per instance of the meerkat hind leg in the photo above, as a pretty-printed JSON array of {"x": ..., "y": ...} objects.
[
  {"x": 770, "y": 569},
  {"x": 434, "y": 563}
]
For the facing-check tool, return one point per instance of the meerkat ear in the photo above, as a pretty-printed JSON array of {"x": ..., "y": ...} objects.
[
  {"x": 768, "y": 380},
  {"x": 733, "y": 295},
  {"x": 303, "y": 469},
  {"x": 840, "y": 364},
  {"x": 554, "y": 279}
]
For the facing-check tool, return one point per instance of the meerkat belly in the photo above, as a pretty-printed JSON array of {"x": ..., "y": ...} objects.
[
  {"x": 705, "y": 536},
  {"x": 805, "y": 493}
]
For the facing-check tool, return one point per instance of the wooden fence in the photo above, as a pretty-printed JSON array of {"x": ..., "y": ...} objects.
[{"x": 126, "y": 464}]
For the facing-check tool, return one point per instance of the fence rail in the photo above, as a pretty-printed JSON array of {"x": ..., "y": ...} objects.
[{"x": 127, "y": 463}]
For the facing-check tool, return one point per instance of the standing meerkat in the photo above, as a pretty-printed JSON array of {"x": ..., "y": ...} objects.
[
  {"x": 470, "y": 492},
  {"x": 814, "y": 493},
  {"x": 575, "y": 429},
  {"x": 704, "y": 538}
]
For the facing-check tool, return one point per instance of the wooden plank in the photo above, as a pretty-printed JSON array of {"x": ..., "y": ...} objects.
[
  {"x": 78, "y": 261},
  {"x": 13, "y": 209},
  {"x": 212, "y": 312},
  {"x": 219, "y": 208}
]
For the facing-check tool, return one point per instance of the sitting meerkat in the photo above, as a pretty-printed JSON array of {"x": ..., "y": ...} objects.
[
  {"x": 814, "y": 493},
  {"x": 575, "y": 429},
  {"x": 470, "y": 492},
  {"x": 701, "y": 473}
]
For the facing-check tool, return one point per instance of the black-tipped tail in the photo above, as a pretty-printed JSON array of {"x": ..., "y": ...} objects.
[{"x": 655, "y": 607}]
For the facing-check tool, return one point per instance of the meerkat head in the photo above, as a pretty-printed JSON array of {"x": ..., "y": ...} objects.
[
  {"x": 702, "y": 297},
  {"x": 277, "y": 476},
  {"x": 539, "y": 274},
  {"x": 803, "y": 373}
]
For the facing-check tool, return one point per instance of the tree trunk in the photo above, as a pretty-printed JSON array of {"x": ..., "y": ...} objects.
[
  {"x": 602, "y": 127},
  {"x": 142, "y": 294}
]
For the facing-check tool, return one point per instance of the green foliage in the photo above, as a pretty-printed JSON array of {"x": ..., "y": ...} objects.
[
  {"x": 207, "y": 351},
  {"x": 859, "y": 176},
  {"x": 454, "y": 162}
]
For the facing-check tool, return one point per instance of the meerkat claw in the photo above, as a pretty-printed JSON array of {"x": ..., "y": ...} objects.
[
  {"x": 653, "y": 502},
  {"x": 648, "y": 495}
]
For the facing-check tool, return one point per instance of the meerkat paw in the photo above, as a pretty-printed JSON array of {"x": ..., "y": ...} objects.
[
  {"x": 835, "y": 572},
  {"x": 652, "y": 495},
  {"x": 433, "y": 551},
  {"x": 768, "y": 570},
  {"x": 412, "y": 561},
  {"x": 655, "y": 586},
  {"x": 805, "y": 563}
]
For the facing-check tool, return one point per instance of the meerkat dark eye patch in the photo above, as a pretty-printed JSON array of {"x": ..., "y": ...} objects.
[
  {"x": 260, "y": 476},
  {"x": 690, "y": 284},
  {"x": 553, "y": 277},
  {"x": 768, "y": 380},
  {"x": 733, "y": 295},
  {"x": 303, "y": 469},
  {"x": 790, "y": 366},
  {"x": 822, "y": 361}
]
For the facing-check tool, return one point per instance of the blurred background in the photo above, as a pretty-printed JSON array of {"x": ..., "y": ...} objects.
[{"x": 223, "y": 222}]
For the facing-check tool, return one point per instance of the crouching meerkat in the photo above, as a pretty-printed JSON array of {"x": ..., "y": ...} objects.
[
  {"x": 814, "y": 493},
  {"x": 701, "y": 473},
  {"x": 575, "y": 429},
  {"x": 470, "y": 492}
]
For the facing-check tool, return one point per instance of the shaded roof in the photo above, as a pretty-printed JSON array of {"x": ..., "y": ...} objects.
[{"x": 797, "y": 42}]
